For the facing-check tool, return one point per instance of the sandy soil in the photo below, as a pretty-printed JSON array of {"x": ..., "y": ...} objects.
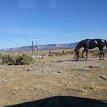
[{"x": 53, "y": 76}]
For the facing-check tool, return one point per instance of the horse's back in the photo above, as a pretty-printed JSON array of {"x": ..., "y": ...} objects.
[
  {"x": 93, "y": 43},
  {"x": 101, "y": 42}
]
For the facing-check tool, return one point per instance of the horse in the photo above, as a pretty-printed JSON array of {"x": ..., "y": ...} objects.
[{"x": 91, "y": 44}]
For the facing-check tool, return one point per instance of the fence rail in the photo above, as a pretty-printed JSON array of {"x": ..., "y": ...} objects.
[{"x": 60, "y": 53}]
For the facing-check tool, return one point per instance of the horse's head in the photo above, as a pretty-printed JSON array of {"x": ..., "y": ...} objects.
[{"x": 76, "y": 53}]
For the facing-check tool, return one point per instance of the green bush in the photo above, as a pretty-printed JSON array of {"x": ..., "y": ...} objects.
[{"x": 17, "y": 60}]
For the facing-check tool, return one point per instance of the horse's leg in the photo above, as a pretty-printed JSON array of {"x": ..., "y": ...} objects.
[
  {"x": 101, "y": 53},
  {"x": 83, "y": 53},
  {"x": 86, "y": 53},
  {"x": 85, "y": 50}
]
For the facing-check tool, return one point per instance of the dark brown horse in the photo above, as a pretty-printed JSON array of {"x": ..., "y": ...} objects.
[{"x": 90, "y": 44}]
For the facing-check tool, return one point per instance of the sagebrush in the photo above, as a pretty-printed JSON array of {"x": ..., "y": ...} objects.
[{"x": 17, "y": 60}]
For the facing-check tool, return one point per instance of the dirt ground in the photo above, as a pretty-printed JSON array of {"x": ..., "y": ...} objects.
[{"x": 53, "y": 76}]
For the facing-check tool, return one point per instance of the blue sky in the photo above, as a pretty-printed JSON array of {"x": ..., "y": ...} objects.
[{"x": 51, "y": 21}]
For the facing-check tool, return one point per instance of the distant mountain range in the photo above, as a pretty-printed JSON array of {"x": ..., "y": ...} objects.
[{"x": 40, "y": 47}]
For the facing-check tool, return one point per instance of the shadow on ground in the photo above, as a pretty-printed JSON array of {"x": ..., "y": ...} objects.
[
  {"x": 63, "y": 101},
  {"x": 73, "y": 60}
]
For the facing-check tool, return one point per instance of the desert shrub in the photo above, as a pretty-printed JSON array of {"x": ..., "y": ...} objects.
[
  {"x": 10, "y": 60},
  {"x": 17, "y": 60},
  {"x": 24, "y": 59}
]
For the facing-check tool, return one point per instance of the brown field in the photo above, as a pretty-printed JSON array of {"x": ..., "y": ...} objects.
[{"x": 51, "y": 77}]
